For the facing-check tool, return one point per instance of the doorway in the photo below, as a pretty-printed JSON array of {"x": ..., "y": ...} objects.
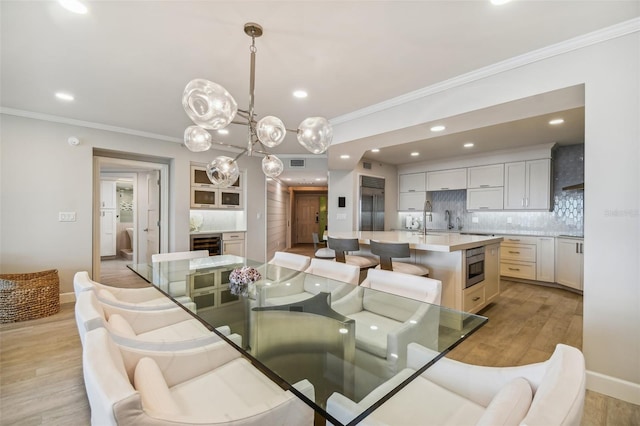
[
  {"x": 309, "y": 216},
  {"x": 130, "y": 224}
]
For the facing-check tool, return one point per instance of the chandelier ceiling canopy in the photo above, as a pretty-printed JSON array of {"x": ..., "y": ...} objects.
[{"x": 211, "y": 107}]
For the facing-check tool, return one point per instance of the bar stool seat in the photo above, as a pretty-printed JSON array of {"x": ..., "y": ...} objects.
[
  {"x": 387, "y": 251},
  {"x": 342, "y": 246},
  {"x": 321, "y": 252}
]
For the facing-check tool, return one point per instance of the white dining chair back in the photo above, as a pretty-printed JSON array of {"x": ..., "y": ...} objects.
[
  {"x": 293, "y": 261},
  {"x": 334, "y": 270},
  {"x": 413, "y": 286}
]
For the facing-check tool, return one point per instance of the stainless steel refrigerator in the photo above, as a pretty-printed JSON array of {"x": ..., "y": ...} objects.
[{"x": 371, "y": 203}]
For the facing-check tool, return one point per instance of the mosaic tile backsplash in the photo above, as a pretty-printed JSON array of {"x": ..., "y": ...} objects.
[{"x": 567, "y": 216}]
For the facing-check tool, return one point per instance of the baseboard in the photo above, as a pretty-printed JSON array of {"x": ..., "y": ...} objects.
[
  {"x": 613, "y": 387},
  {"x": 67, "y": 298}
]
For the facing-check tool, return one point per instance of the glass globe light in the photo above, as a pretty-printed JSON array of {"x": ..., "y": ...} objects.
[
  {"x": 315, "y": 134},
  {"x": 223, "y": 171},
  {"x": 272, "y": 166},
  {"x": 197, "y": 139},
  {"x": 208, "y": 104},
  {"x": 271, "y": 131}
]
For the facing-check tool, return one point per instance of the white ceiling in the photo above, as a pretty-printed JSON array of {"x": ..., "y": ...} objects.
[{"x": 127, "y": 62}]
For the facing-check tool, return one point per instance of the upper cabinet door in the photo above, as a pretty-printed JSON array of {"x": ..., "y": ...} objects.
[
  {"x": 412, "y": 182},
  {"x": 538, "y": 185},
  {"x": 107, "y": 194},
  {"x": 447, "y": 179},
  {"x": 485, "y": 176},
  {"x": 514, "y": 185}
]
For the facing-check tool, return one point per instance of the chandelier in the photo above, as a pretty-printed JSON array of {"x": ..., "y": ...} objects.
[{"x": 211, "y": 107}]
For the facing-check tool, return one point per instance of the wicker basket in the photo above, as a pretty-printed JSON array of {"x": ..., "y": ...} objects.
[{"x": 29, "y": 296}]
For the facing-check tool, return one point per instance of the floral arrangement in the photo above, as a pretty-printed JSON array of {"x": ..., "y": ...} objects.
[{"x": 241, "y": 278}]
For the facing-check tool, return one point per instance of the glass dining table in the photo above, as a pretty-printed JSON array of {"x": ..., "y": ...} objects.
[{"x": 340, "y": 337}]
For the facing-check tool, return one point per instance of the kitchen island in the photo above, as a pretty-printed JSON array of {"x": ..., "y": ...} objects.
[{"x": 445, "y": 254}]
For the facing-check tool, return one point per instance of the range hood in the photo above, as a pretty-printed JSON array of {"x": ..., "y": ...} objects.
[{"x": 576, "y": 187}]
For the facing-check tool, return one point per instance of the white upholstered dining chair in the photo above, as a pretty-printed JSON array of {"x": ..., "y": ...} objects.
[
  {"x": 199, "y": 386},
  {"x": 341, "y": 279},
  {"x": 385, "y": 326},
  {"x": 454, "y": 393},
  {"x": 145, "y": 298},
  {"x": 158, "y": 328}
]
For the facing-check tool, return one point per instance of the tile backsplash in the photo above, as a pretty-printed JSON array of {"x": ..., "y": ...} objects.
[{"x": 567, "y": 216}]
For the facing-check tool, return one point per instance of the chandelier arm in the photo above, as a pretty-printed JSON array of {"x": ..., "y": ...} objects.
[
  {"x": 292, "y": 130},
  {"x": 230, "y": 146}
]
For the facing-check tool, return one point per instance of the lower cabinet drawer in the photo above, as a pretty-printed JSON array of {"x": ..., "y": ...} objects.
[
  {"x": 474, "y": 298},
  {"x": 518, "y": 270},
  {"x": 520, "y": 252}
]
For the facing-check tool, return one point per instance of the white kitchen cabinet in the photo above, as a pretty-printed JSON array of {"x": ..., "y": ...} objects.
[
  {"x": 411, "y": 201},
  {"x": 108, "y": 194},
  {"x": 412, "y": 182},
  {"x": 233, "y": 243},
  {"x": 569, "y": 262},
  {"x": 527, "y": 185},
  {"x": 485, "y": 176},
  {"x": 108, "y": 226},
  {"x": 447, "y": 179},
  {"x": 518, "y": 257},
  {"x": 485, "y": 198},
  {"x": 545, "y": 259}
]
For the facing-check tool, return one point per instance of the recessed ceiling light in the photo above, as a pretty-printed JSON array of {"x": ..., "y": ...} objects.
[
  {"x": 556, "y": 121},
  {"x": 468, "y": 145},
  {"x": 499, "y": 2},
  {"x": 375, "y": 150},
  {"x": 438, "y": 128},
  {"x": 223, "y": 131},
  {"x": 415, "y": 154},
  {"x": 344, "y": 156},
  {"x": 300, "y": 94},
  {"x": 65, "y": 96},
  {"x": 74, "y": 6},
  {"x": 319, "y": 179}
]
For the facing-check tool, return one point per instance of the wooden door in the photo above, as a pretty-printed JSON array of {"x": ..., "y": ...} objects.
[{"x": 307, "y": 217}]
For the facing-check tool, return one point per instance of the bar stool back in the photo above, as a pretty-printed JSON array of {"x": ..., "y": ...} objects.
[
  {"x": 388, "y": 251},
  {"x": 342, "y": 246}
]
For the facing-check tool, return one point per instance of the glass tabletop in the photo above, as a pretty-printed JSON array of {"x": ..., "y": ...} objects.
[{"x": 297, "y": 327}]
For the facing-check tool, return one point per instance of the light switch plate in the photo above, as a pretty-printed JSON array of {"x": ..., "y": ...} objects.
[{"x": 66, "y": 216}]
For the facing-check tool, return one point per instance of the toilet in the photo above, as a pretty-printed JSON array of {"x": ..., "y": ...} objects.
[{"x": 127, "y": 253}]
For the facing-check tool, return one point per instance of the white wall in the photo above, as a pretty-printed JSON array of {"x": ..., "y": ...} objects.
[
  {"x": 610, "y": 71},
  {"x": 42, "y": 175},
  {"x": 277, "y": 206}
]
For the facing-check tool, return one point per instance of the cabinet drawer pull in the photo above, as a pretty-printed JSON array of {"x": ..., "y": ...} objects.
[
  {"x": 513, "y": 239},
  {"x": 481, "y": 207},
  {"x": 444, "y": 188},
  {"x": 514, "y": 269},
  {"x": 412, "y": 190},
  {"x": 475, "y": 299},
  {"x": 514, "y": 252},
  {"x": 484, "y": 186}
]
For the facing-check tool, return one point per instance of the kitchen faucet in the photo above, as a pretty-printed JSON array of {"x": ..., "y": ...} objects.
[
  {"x": 447, "y": 217},
  {"x": 427, "y": 208}
]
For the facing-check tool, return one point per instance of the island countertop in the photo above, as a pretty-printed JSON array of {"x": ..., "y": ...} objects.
[{"x": 444, "y": 242}]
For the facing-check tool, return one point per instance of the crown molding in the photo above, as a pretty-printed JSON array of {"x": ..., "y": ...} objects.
[
  {"x": 89, "y": 124},
  {"x": 579, "y": 42}
]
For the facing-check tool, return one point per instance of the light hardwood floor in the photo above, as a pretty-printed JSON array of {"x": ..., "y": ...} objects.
[{"x": 41, "y": 360}]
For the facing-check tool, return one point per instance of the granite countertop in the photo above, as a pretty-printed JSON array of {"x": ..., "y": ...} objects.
[{"x": 443, "y": 242}]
